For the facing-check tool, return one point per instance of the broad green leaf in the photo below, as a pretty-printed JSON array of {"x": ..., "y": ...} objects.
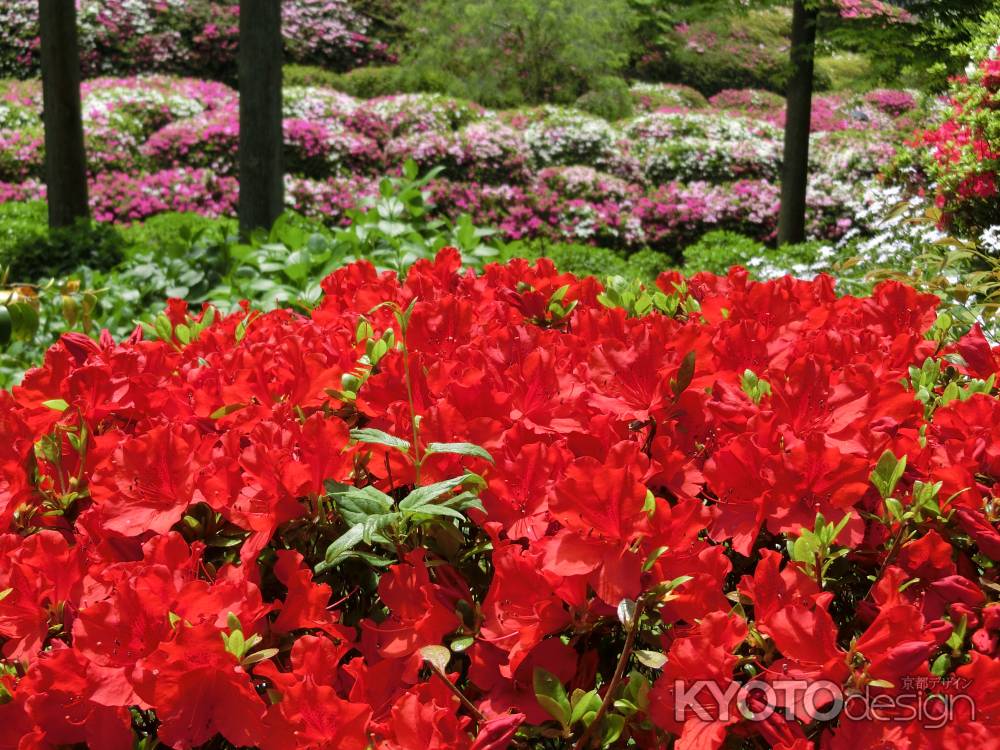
[
  {"x": 430, "y": 509},
  {"x": 551, "y": 696},
  {"x": 430, "y": 492},
  {"x": 584, "y": 703},
  {"x": 652, "y": 659},
  {"x": 340, "y": 546},
  {"x": 464, "y": 449},
  {"x": 684, "y": 375},
  {"x": 439, "y": 656},
  {"x": 357, "y": 504},
  {"x": 613, "y": 729},
  {"x": 888, "y": 471},
  {"x": 805, "y": 547},
  {"x": 57, "y": 404},
  {"x": 377, "y": 437}
]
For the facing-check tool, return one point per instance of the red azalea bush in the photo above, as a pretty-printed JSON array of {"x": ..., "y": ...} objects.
[
  {"x": 480, "y": 512},
  {"x": 958, "y": 160}
]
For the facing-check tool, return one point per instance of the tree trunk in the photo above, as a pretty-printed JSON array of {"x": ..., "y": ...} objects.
[
  {"x": 65, "y": 158},
  {"x": 795, "y": 165},
  {"x": 262, "y": 187}
]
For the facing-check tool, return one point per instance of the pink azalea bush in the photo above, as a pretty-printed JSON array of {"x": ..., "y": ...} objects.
[
  {"x": 186, "y": 36},
  {"x": 659, "y": 179}
]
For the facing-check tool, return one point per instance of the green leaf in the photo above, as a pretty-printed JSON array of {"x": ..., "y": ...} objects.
[
  {"x": 439, "y": 656},
  {"x": 24, "y": 320},
  {"x": 461, "y": 644},
  {"x": 464, "y": 449},
  {"x": 626, "y": 613},
  {"x": 224, "y": 411},
  {"x": 551, "y": 696},
  {"x": 684, "y": 375},
  {"x": 341, "y": 546},
  {"x": 888, "y": 471},
  {"x": 6, "y": 326},
  {"x": 430, "y": 492},
  {"x": 584, "y": 703},
  {"x": 259, "y": 656},
  {"x": 895, "y": 508},
  {"x": 941, "y": 665},
  {"x": 377, "y": 437},
  {"x": 613, "y": 730},
  {"x": 56, "y": 403},
  {"x": 804, "y": 548},
  {"x": 357, "y": 504},
  {"x": 651, "y": 659},
  {"x": 430, "y": 509}
]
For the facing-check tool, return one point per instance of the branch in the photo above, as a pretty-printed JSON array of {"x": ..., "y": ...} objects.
[
  {"x": 469, "y": 705},
  {"x": 584, "y": 740}
]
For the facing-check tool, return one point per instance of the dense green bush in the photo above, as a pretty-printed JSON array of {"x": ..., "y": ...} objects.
[
  {"x": 309, "y": 75},
  {"x": 717, "y": 251},
  {"x": 29, "y": 251},
  {"x": 503, "y": 53},
  {"x": 610, "y": 98},
  {"x": 371, "y": 81},
  {"x": 647, "y": 264},
  {"x": 847, "y": 71},
  {"x": 587, "y": 260}
]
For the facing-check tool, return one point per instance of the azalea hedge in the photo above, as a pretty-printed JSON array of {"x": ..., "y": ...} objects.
[
  {"x": 660, "y": 179},
  {"x": 193, "y": 37},
  {"x": 507, "y": 510}
]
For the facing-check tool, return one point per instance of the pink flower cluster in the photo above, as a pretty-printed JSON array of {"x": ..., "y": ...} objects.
[
  {"x": 187, "y": 36},
  {"x": 873, "y": 9},
  {"x": 659, "y": 179}
]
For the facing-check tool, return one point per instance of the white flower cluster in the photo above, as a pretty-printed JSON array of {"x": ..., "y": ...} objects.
[{"x": 567, "y": 136}]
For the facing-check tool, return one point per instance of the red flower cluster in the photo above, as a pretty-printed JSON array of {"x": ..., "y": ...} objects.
[
  {"x": 959, "y": 159},
  {"x": 286, "y": 531}
]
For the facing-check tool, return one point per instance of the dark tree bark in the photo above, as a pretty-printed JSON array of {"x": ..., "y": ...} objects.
[
  {"x": 795, "y": 164},
  {"x": 65, "y": 158},
  {"x": 262, "y": 187}
]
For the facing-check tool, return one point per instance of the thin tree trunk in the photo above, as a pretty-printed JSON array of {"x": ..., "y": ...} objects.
[
  {"x": 262, "y": 187},
  {"x": 65, "y": 158},
  {"x": 795, "y": 166}
]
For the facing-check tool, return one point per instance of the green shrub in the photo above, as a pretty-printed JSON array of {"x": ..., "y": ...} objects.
[
  {"x": 309, "y": 75},
  {"x": 383, "y": 80},
  {"x": 502, "y": 53},
  {"x": 164, "y": 230},
  {"x": 846, "y": 71},
  {"x": 587, "y": 260},
  {"x": 718, "y": 250},
  {"x": 29, "y": 251},
  {"x": 580, "y": 260},
  {"x": 647, "y": 264},
  {"x": 610, "y": 99},
  {"x": 649, "y": 97}
]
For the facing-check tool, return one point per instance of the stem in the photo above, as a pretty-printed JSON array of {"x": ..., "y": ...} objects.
[
  {"x": 890, "y": 553},
  {"x": 584, "y": 740},
  {"x": 469, "y": 705},
  {"x": 413, "y": 409}
]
